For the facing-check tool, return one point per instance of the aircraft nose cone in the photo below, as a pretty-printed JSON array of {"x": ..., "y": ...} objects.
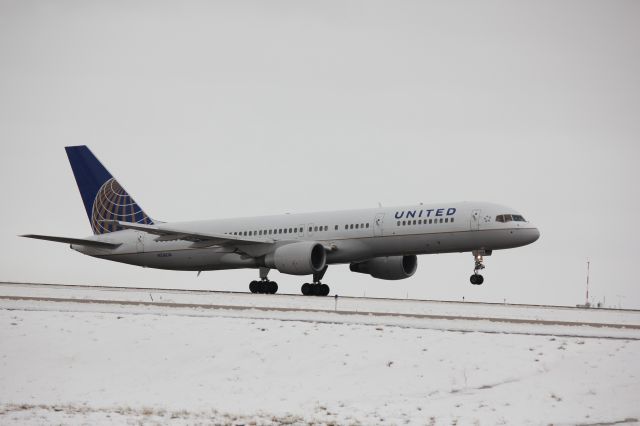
[{"x": 533, "y": 234}]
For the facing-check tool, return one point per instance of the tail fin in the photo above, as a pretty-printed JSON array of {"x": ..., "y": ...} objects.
[{"x": 104, "y": 198}]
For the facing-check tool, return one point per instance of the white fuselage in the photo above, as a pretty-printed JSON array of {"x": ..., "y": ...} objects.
[{"x": 349, "y": 236}]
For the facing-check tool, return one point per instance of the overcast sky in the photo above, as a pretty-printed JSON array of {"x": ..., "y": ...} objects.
[{"x": 221, "y": 109}]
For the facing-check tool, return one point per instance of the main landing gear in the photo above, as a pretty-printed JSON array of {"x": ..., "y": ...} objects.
[
  {"x": 317, "y": 288},
  {"x": 476, "y": 278},
  {"x": 264, "y": 286}
]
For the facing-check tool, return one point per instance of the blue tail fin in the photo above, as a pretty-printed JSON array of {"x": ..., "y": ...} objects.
[{"x": 104, "y": 198}]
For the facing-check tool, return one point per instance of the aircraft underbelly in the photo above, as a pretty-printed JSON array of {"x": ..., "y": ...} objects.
[
  {"x": 397, "y": 245},
  {"x": 347, "y": 250},
  {"x": 187, "y": 260}
]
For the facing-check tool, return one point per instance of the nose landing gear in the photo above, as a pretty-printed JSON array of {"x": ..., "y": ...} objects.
[{"x": 476, "y": 278}]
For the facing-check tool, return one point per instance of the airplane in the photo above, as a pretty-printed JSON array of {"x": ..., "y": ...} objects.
[{"x": 383, "y": 242}]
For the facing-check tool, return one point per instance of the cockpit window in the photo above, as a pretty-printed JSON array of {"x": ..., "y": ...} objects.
[{"x": 509, "y": 217}]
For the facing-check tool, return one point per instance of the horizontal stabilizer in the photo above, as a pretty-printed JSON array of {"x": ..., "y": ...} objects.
[{"x": 78, "y": 241}]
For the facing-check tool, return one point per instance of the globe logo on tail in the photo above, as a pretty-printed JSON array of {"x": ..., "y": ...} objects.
[{"x": 113, "y": 203}]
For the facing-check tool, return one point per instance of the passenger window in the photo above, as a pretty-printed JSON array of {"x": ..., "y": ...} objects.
[
  {"x": 440, "y": 220},
  {"x": 326, "y": 228},
  {"x": 404, "y": 223},
  {"x": 446, "y": 220},
  {"x": 367, "y": 225},
  {"x": 290, "y": 229},
  {"x": 356, "y": 226},
  {"x": 315, "y": 229},
  {"x": 346, "y": 227},
  {"x": 430, "y": 221},
  {"x": 336, "y": 228},
  {"x": 451, "y": 220},
  {"x": 351, "y": 226},
  {"x": 398, "y": 223}
]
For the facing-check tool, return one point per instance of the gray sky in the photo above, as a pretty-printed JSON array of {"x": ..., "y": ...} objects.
[{"x": 221, "y": 109}]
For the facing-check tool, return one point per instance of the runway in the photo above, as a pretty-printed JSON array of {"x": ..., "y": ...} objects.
[{"x": 444, "y": 315}]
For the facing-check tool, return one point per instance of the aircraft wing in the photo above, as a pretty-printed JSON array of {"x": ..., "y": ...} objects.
[
  {"x": 78, "y": 241},
  {"x": 168, "y": 233}
]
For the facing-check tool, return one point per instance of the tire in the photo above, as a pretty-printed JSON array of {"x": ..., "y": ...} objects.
[
  {"x": 306, "y": 291},
  {"x": 324, "y": 290},
  {"x": 473, "y": 279},
  {"x": 479, "y": 280},
  {"x": 253, "y": 288},
  {"x": 273, "y": 287}
]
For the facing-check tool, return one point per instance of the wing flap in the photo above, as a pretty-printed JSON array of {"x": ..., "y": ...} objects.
[{"x": 78, "y": 241}]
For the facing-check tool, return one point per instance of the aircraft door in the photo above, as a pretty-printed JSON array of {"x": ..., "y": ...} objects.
[
  {"x": 378, "y": 223},
  {"x": 140, "y": 242},
  {"x": 310, "y": 230},
  {"x": 301, "y": 232},
  {"x": 475, "y": 219}
]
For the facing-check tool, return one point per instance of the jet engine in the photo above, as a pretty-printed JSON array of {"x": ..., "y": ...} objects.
[
  {"x": 388, "y": 268},
  {"x": 303, "y": 258}
]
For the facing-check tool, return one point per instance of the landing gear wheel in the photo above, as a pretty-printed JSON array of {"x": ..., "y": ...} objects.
[
  {"x": 263, "y": 287},
  {"x": 306, "y": 289},
  {"x": 476, "y": 279},
  {"x": 324, "y": 290},
  {"x": 317, "y": 288}
]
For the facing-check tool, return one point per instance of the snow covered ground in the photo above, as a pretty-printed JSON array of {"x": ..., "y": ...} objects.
[{"x": 99, "y": 363}]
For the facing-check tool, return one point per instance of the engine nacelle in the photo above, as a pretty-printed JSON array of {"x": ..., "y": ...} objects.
[
  {"x": 388, "y": 268},
  {"x": 303, "y": 258}
]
